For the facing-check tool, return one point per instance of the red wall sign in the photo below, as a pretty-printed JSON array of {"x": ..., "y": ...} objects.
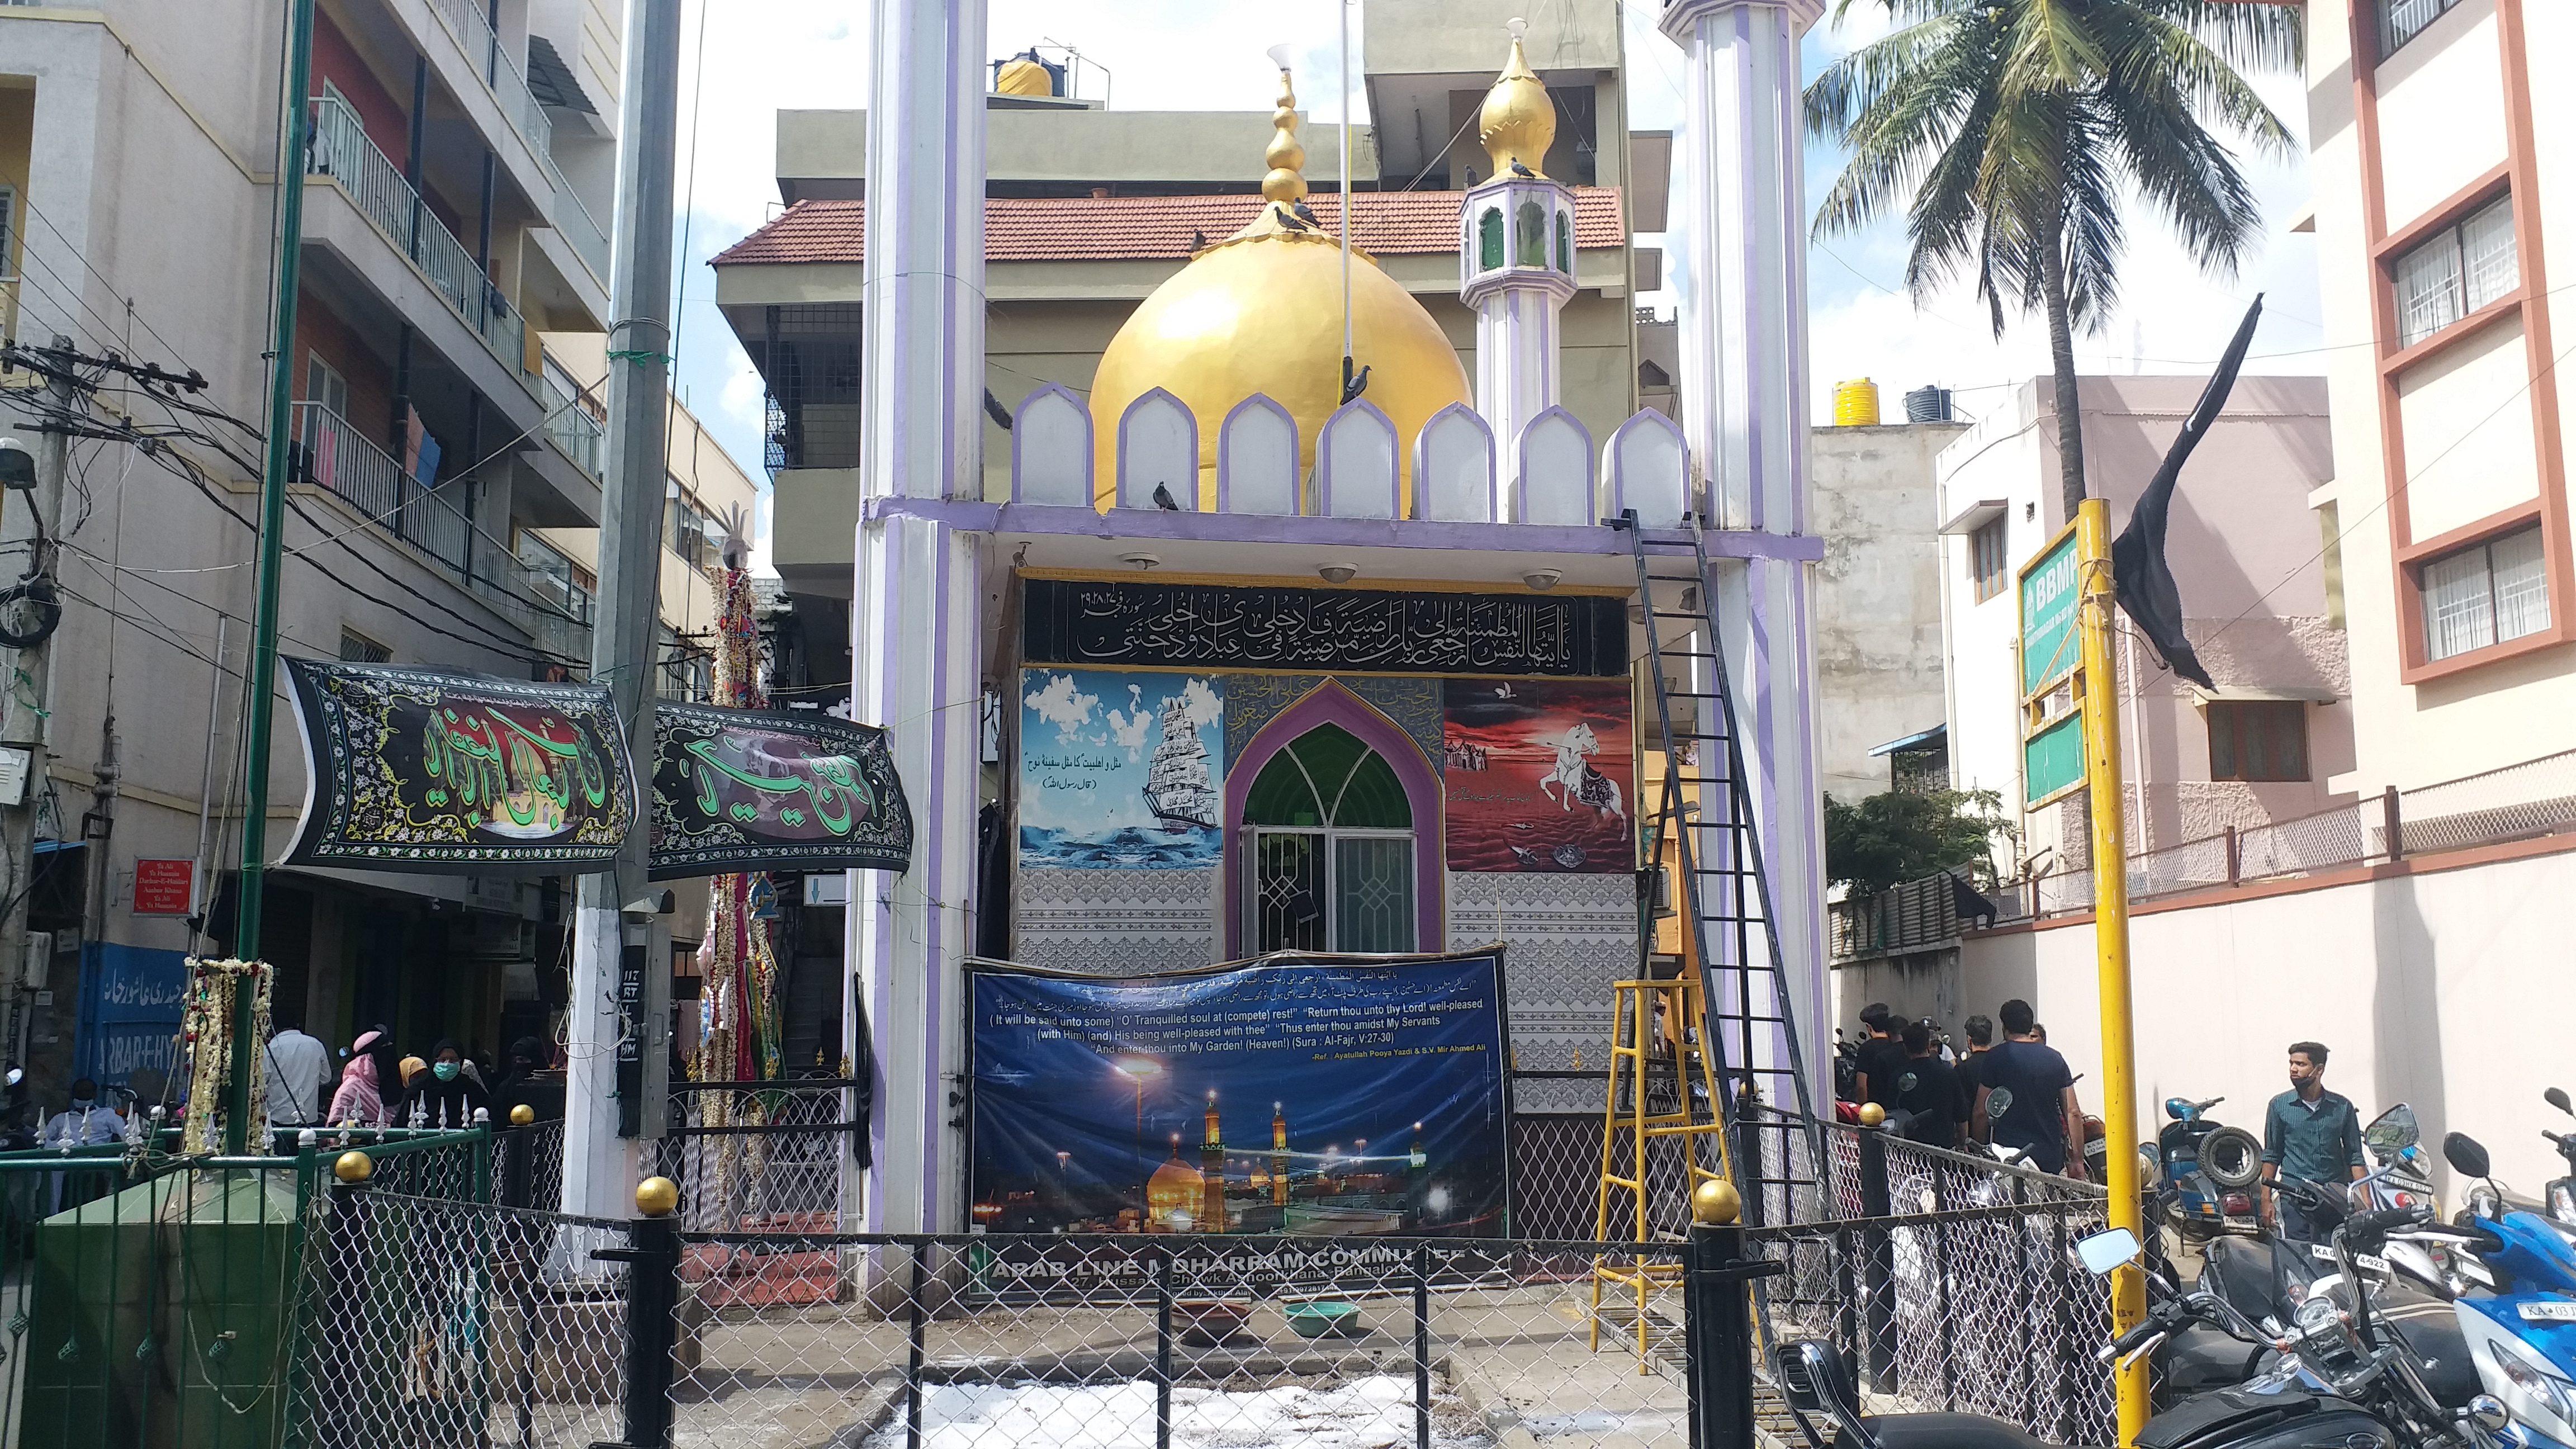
[{"x": 164, "y": 887}]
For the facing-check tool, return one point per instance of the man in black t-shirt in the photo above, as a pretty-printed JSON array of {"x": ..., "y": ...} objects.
[
  {"x": 1981, "y": 1039},
  {"x": 1928, "y": 1088},
  {"x": 1882, "y": 1056},
  {"x": 2043, "y": 1116}
]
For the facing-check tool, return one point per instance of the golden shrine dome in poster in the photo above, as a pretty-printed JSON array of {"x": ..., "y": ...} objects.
[{"x": 1261, "y": 312}]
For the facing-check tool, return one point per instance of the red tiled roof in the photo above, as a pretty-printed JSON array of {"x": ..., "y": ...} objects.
[{"x": 1121, "y": 228}]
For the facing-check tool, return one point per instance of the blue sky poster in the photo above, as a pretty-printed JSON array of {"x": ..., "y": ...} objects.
[
  {"x": 1121, "y": 770},
  {"x": 1346, "y": 1099}
]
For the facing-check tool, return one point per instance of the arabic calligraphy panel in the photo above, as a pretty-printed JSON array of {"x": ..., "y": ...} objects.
[
  {"x": 753, "y": 790},
  {"x": 1386, "y": 631}
]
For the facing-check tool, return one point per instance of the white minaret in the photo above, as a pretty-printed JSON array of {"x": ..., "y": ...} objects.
[
  {"x": 1516, "y": 258},
  {"x": 915, "y": 607},
  {"x": 1738, "y": 173}
]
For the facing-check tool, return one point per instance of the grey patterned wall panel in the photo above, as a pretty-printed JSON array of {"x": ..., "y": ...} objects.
[
  {"x": 1254, "y": 700},
  {"x": 1116, "y": 922},
  {"x": 1566, "y": 939}
]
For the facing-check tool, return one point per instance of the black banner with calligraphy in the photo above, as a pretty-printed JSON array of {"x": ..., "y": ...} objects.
[
  {"x": 422, "y": 770},
  {"x": 1213, "y": 626},
  {"x": 738, "y": 789}
]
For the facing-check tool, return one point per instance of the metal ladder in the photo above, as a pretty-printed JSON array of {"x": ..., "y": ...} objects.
[{"x": 1717, "y": 855}]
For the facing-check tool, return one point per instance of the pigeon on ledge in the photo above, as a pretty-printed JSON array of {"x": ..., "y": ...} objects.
[
  {"x": 1289, "y": 219},
  {"x": 1198, "y": 240},
  {"x": 1354, "y": 383},
  {"x": 1305, "y": 213},
  {"x": 1521, "y": 171},
  {"x": 1163, "y": 499}
]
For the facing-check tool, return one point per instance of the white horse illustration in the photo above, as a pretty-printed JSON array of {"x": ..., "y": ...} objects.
[{"x": 1573, "y": 779}]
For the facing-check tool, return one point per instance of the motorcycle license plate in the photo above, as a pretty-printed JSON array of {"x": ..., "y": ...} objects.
[
  {"x": 2563, "y": 1312},
  {"x": 2325, "y": 1253}
]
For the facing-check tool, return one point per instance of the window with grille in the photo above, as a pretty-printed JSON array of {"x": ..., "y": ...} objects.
[
  {"x": 2402, "y": 20},
  {"x": 556, "y": 578},
  {"x": 1986, "y": 560},
  {"x": 357, "y": 648},
  {"x": 2456, "y": 271},
  {"x": 1332, "y": 848},
  {"x": 2485, "y": 594},
  {"x": 2258, "y": 739}
]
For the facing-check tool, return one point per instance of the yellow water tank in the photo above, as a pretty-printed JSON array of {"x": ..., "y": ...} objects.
[{"x": 1856, "y": 403}]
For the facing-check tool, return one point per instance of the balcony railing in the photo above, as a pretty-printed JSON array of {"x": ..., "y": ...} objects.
[
  {"x": 572, "y": 427},
  {"x": 335, "y": 456},
  {"x": 589, "y": 239},
  {"x": 342, "y": 152},
  {"x": 464, "y": 19}
]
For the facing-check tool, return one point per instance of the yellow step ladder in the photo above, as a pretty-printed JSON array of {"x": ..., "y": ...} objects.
[{"x": 1653, "y": 1024}]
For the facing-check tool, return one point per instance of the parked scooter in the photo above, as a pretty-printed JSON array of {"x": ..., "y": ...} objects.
[
  {"x": 2523, "y": 1335},
  {"x": 2205, "y": 1171},
  {"x": 2340, "y": 1378},
  {"x": 2561, "y": 1192}
]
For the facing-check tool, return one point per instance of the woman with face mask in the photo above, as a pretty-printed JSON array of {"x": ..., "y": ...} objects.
[{"x": 448, "y": 1096}]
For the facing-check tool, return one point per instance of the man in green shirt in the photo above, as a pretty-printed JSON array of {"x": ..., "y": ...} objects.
[{"x": 2309, "y": 1135}]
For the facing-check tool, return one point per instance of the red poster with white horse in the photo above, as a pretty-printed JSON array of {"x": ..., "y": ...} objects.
[{"x": 1540, "y": 775}]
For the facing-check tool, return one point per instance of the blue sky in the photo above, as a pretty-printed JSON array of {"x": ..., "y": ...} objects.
[{"x": 753, "y": 60}]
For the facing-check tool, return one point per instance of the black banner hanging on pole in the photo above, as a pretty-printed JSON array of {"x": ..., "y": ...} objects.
[
  {"x": 741, "y": 789},
  {"x": 423, "y": 770}
]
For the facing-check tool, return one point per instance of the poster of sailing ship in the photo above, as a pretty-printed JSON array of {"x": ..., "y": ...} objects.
[{"x": 1121, "y": 770}]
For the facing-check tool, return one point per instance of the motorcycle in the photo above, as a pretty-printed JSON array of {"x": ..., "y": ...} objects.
[
  {"x": 2424, "y": 1261},
  {"x": 2523, "y": 1335},
  {"x": 2204, "y": 1171},
  {"x": 2560, "y": 1195},
  {"x": 2338, "y": 1378}
]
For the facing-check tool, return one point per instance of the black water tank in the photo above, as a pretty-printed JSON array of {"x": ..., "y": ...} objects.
[{"x": 1928, "y": 405}]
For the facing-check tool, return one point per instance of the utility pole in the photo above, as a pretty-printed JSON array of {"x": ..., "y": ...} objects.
[
  {"x": 23, "y": 718},
  {"x": 295, "y": 121},
  {"x": 618, "y": 1078}
]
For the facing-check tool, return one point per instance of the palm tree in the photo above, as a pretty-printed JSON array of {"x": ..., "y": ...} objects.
[{"x": 2012, "y": 130}]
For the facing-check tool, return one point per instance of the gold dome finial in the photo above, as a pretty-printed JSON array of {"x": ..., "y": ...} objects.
[
  {"x": 1286, "y": 181},
  {"x": 1518, "y": 122}
]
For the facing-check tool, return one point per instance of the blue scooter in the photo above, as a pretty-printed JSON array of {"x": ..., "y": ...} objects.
[{"x": 2523, "y": 1336}]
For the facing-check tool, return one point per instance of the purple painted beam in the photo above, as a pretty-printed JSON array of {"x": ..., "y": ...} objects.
[{"x": 1154, "y": 523}]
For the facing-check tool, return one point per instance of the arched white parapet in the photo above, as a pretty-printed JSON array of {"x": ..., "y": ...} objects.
[
  {"x": 1355, "y": 463},
  {"x": 1051, "y": 449},
  {"x": 1158, "y": 443},
  {"x": 1256, "y": 459},
  {"x": 1453, "y": 468},
  {"x": 1645, "y": 463},
  {"x": 1554, "y": 481}
]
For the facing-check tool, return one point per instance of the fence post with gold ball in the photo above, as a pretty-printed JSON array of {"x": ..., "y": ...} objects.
[{"x": 1718, "y": 1321}]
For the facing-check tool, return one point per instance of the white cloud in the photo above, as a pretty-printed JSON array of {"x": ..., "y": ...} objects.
[
  {"x": 1065, "y": 707},
  {"x": 1205, "y": 707}
]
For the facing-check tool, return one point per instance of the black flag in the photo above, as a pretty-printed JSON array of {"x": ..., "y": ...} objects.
[{"x": 2138, "y": 572}]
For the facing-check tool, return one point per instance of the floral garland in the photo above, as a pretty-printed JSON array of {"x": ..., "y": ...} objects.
[
  {"x": 738, "y": 1025},
  {"x": 206, "y": 1038}
]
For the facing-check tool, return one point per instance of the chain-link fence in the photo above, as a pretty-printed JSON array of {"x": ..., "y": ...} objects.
[
  {"x": 1341, "y": 1343},
  {"x": 431, "y": 1321}
]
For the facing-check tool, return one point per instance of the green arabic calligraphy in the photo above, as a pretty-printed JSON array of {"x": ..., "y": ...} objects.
[
  {"x": 491, "y": 762},
  {"x": 840, "y": 795}
]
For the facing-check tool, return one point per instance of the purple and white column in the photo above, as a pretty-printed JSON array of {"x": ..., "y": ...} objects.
[
  {"x": 1517, "y": 296},
  {"x": 914, "y": 612},
  {"x": 1743, "y": 336}
]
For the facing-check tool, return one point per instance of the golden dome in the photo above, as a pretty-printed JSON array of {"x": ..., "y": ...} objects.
[
  {"x": 1175, "y": 1187},
  {"x": 1518, "y": 121},
  {"x": 1261, "y": 312},
  {"x": 1024, "y": 77}
]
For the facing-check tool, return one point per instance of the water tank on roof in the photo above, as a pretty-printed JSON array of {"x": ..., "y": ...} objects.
[
  {"x": 1928, "y": 405},
  {"x": 1856, "y": 404}
]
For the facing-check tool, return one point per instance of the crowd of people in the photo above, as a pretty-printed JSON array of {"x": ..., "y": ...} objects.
[
  {"x": 374, "y": 1086},
  {"x": 1948, "y": 1099}
]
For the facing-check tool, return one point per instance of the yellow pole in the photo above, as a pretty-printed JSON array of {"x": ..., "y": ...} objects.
[{"x": 2111, "y": 940}]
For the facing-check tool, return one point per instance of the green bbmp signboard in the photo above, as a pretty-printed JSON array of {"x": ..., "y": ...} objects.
[
  {"x": 2049, "y": 649},
  {"x": 2052, "y": 760}
]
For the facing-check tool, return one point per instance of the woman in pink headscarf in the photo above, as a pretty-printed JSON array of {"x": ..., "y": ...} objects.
[{"x": 358, "y": 1102}]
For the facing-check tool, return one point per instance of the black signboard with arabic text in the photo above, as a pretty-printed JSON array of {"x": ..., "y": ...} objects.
[{"x": 1216, "y": 626}]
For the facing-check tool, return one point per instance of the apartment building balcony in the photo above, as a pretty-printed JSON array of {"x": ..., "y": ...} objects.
[
  {"x": 481, "y": 78},
  {"x": 438, "y": 524},
  {"x": 373, "y": 246}
]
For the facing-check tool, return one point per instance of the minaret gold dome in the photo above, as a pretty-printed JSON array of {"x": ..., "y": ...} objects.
[
  {"x": 1518, "y": 122},
  {"x": 1261, "y": 312}
]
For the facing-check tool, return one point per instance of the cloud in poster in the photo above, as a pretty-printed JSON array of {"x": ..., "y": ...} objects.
[
  {"x": 1063, "y": 705},
  {"x": 1130, "y": 728}
]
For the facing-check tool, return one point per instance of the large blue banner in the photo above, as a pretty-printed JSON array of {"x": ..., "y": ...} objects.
[{"x": 1338, "y": 1097}]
